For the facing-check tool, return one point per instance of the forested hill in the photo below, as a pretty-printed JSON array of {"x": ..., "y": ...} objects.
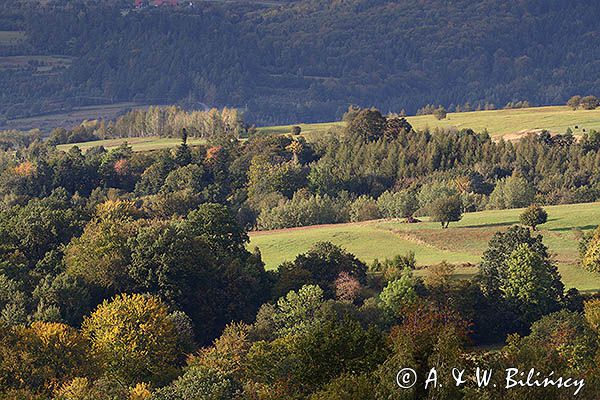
[{"x": 304, "y": 61}]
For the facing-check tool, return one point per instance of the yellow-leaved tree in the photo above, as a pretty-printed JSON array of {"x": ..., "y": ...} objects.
[
  {"x": 134, "y": 339},
  {"x": 42, "y": 357}
]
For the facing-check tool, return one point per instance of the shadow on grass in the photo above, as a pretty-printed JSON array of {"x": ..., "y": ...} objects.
[
  {"x": 569, "y": 228},
  {"x": 516, "y": 222},
  {"x": 589, "y": 291},
  {"x": 496, "y": 224}
]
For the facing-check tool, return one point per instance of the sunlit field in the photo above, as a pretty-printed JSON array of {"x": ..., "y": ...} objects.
[
  {"x": 463, "y": 242},
  {"x": 510, "y": 124},
  {"x": 137, "y": 144}
]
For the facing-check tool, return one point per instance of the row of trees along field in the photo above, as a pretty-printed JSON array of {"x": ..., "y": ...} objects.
[{"x": 224, "y": 124}]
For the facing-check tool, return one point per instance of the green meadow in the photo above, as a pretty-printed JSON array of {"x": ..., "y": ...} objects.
[
  {"x": 510, "y": 124},
  {"x": 462, "y": 243},
  {"x": 136, "y": 143}
]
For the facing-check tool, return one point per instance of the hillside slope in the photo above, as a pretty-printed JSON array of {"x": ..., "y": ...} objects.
[
  {"x": 506, "y": 124},
  {"x": 509, "y": 124},
  {"x": 463, "y": 242},
  {"x": 305, "y": 61}
]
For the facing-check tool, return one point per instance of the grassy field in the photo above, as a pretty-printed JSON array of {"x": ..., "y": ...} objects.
[
  {"x": 11, "y": 37},
  {"x": 43, "y": 63},
  {"x": 137, "y": 144},
  {"x": 463, "y": 242},
  {"x": 309, "y": 131},
  {"x": 510, "y": 124}
]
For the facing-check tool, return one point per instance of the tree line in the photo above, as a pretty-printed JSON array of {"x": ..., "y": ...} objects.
[
  {"x": 169, "y": 121},
  {"x": 375, "y": 166}
]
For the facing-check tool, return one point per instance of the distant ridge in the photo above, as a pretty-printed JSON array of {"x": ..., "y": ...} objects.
[{"x": 306, "y": 61}]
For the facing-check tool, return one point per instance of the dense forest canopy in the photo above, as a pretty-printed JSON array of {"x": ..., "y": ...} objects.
[
  {"x": 127, "y": 275},
  {"x": 130, "y": 274},
  {"x": 304, "y": 61}
]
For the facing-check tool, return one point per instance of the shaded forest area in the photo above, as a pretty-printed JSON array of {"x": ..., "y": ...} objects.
[{"x": 303, "y": 62}]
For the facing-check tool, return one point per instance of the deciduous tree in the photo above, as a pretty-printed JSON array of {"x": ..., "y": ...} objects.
[
  {"x": 533, "y": 216},
  {"x": 446, "y": 210},
  {"x": 134, "y": 339},
  {"x": 367, "y": 124},
  {"x": 531, "y": 284}
]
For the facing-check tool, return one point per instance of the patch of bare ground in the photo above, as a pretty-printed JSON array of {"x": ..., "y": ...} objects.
[
  {"x": 513, "y": 137},
  {"x": 472, "y": 240}
]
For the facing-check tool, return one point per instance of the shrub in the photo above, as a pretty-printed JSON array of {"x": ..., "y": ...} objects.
[
  {"x": 303, "y": 210},
  {"x": 364, "y": 208},
  {"x": 401, "y": 204},
  {"x": 446, "y": 210},
  {"x": 533, "y": 216}
]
